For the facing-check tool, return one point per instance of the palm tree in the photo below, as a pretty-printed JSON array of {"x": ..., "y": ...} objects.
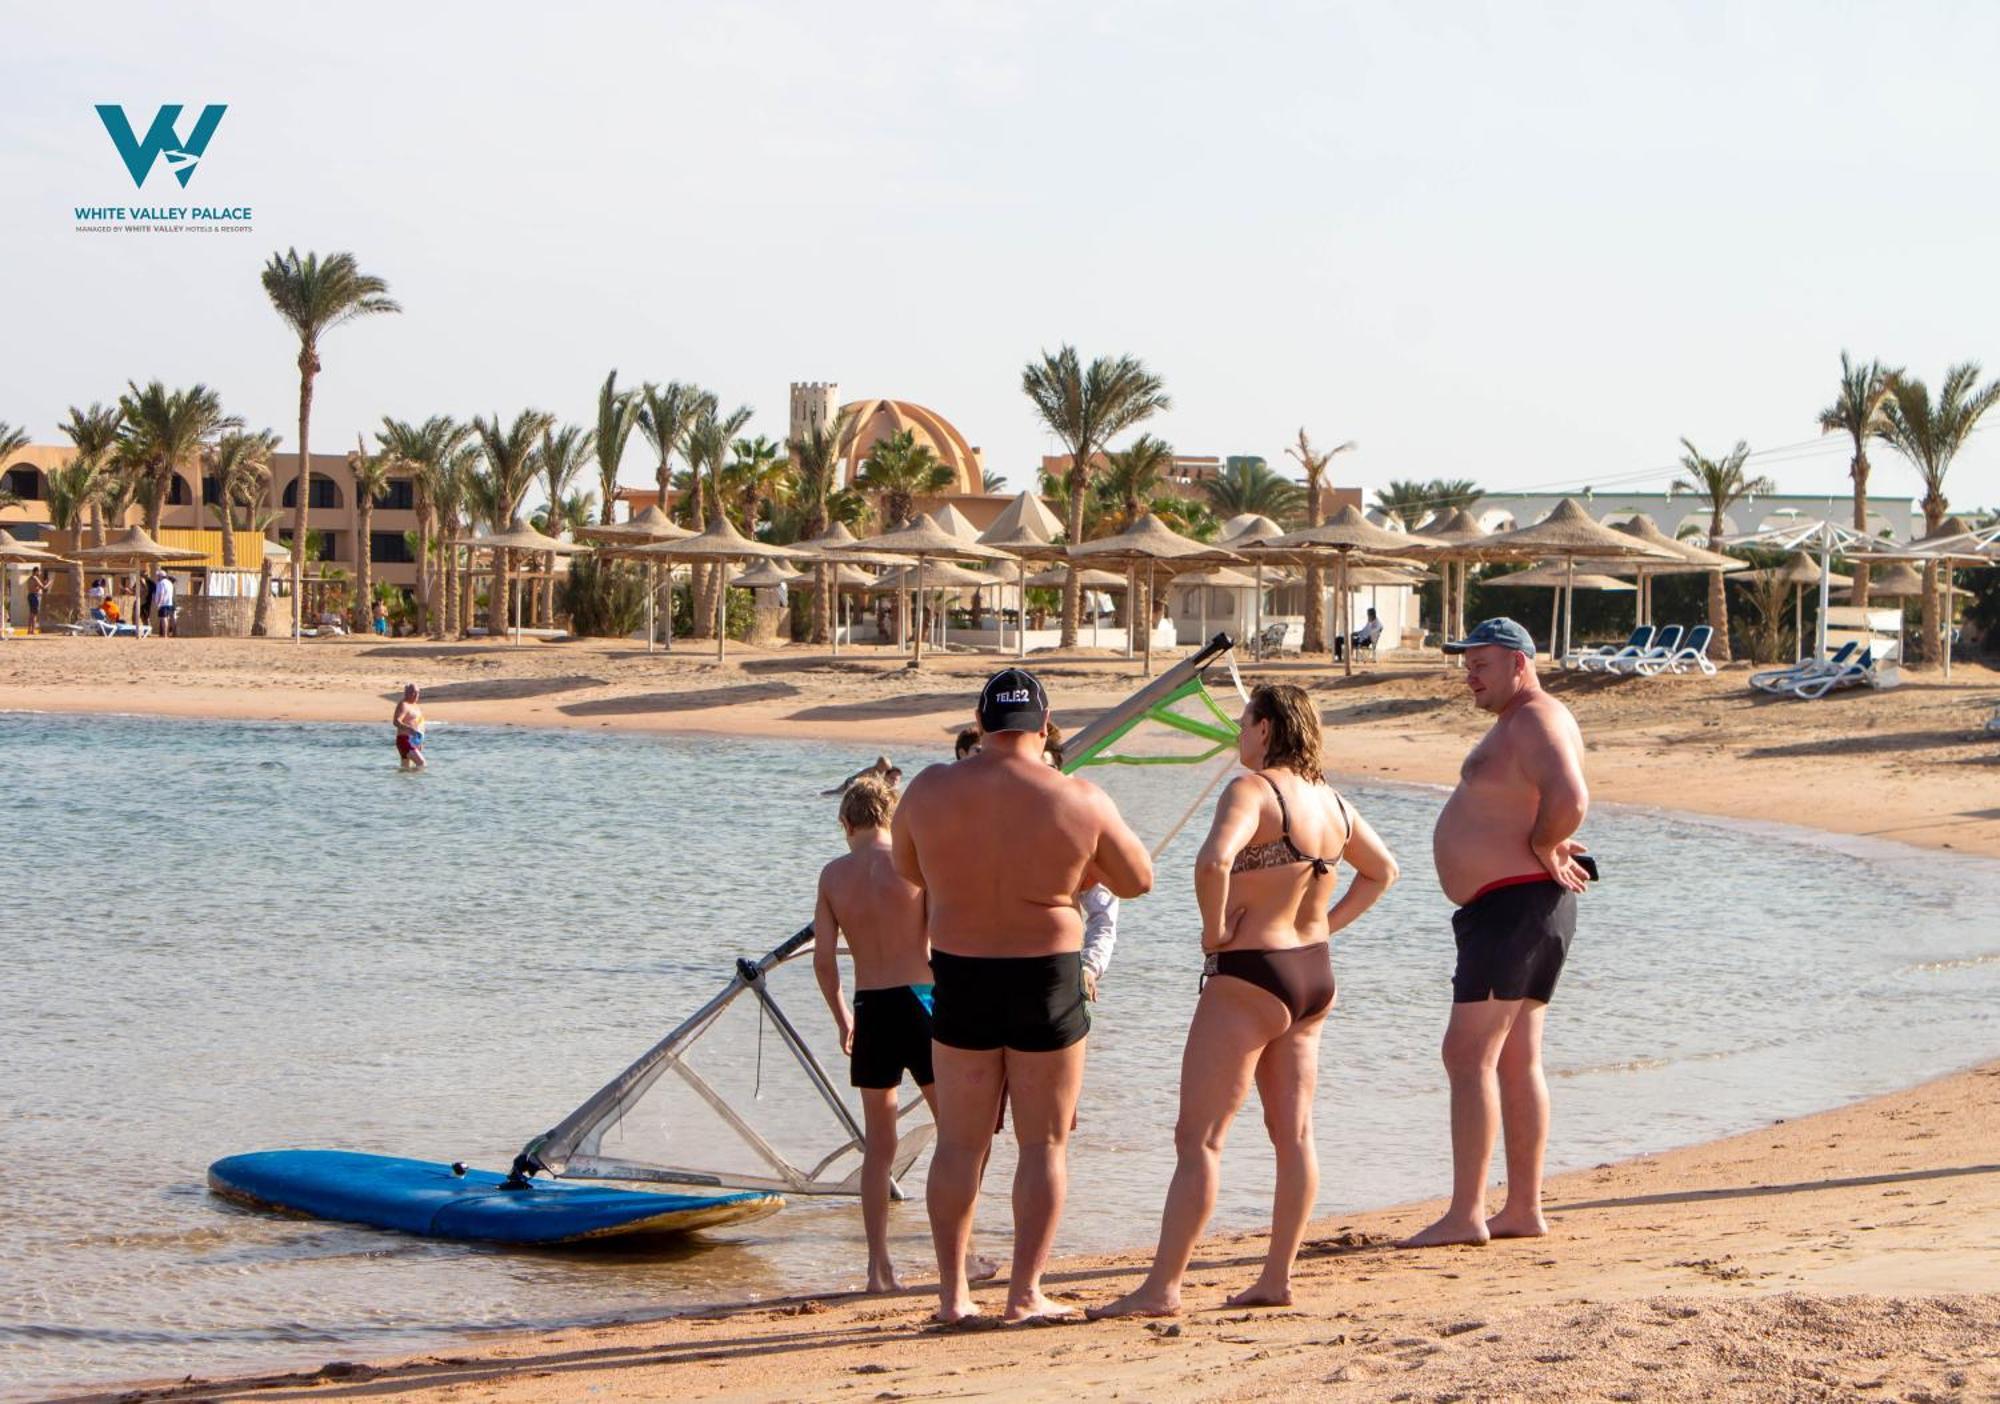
[
  {"x": 1861, "y": 412},
  {"x": 1720, "y": 482},
  {"x": 1134, "y": 474},
  {"x": 1251, "y": 486},
  {"x": 898, "y": 470},
  {"x": 992, "y": 481},
  {"x": 167, "y": 431},
  {"x": 763, "y": 475},
  {"x": 562, "y": 454},
  {"x": 240, "y": 463},
  {"x": 666, "y": 414},
  {"x": 72, "y": 492},
  {"x": 816, "y": 456},
  {"x": 617, "y": 417},
  {"x": 707, "y": 448},
  {"x": 1313, "y": 463},
  {"x": 1086, "y": 408},
  {"x": 451, "y": 481},
  {"x": 312, "y": 296},
  {"x": 12, "y": 441},
  {"x": 95, "y": 433},
  {"x": 511, "y": 465},
  {"x": 1930, "y": 434},
  {"x": 370, "y": 472},
  {"x": 1407, "y": 499}
]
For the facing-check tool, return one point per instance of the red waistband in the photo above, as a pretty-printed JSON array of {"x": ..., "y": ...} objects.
[{"x": 1517, "y": 880}]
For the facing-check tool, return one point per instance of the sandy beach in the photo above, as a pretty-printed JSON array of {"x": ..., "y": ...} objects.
[{"x": 1850, "y": 1254}]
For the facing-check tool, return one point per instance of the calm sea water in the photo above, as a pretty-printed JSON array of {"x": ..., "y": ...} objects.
[{"x": 222, "y": 937}]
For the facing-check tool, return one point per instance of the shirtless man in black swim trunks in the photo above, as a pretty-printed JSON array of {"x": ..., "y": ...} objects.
[
  {"x": 1505, "y": 855},
  {"x": 1001, "y": 843}
]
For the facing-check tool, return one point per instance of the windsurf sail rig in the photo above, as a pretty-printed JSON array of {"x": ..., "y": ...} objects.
[{"x": 743, "y": 1094}]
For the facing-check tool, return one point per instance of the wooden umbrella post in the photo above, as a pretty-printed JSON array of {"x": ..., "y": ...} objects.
[{"x": 1346, "y": 631}]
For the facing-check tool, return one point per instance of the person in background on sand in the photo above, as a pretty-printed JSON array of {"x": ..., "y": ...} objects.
[
  {"x": 409, "y": 723},
  {"x": 888, "y": 1031},
  {"x": 1505, "y": 855},
  {"x": 379, "y": 618},
  {"x": 163, "y": 606},
  {"x": 38, "y": 585},
  {"x": 1364, "y": 637},
  {"x": 1001, "y": 844},
  {"x": 1263, "y": 881}
]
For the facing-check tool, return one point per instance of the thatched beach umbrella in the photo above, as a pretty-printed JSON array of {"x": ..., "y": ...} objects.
[
  {"x": 1149, "y": 540},
  {"x": 1459, "y": 538},
  {"x": 720, "y": 544},
  {"x": 503, "y": 544},
  {"x": 134, "y": 549},
  {"x": 1570, "y": 534},
  {"x": 925, "y": 540},
  {"x": 1954, "y": 542},
  {"x": 1027, "y": 531},
  {"x": 1347, "y": 533},
  {"x": 1687, "y": 558},
  {"x": 13, "y": 553},
  {"x": 621, "y": 540},
  {"x": 1244, "y": 530}
]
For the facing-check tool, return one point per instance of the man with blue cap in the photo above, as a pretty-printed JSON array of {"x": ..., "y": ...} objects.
[{"x": 1506, "y": 857}]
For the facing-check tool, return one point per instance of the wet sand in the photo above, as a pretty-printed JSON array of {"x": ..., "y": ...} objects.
[{"x": 1850, "y": 1255}]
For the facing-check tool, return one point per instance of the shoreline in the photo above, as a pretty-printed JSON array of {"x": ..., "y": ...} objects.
[{"x": 1834, "y": 1304}]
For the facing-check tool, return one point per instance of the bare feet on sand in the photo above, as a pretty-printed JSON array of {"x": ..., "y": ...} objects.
[
  {"x": 1260, "y": 1294},
  {"x": 1022, "y": 1310},
  {"x": 1448, "y": 1230},
  {"x": 1510, "y": 1225},
  {"x": 1139, "y": 1303},
  {"x": 883, "y": 1281}
]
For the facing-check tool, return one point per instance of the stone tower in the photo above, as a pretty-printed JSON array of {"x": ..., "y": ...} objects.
[{"x": 814, "y": 404}]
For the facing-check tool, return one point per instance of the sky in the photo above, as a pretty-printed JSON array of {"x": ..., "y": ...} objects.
[{"x": 1529, "y": 244}]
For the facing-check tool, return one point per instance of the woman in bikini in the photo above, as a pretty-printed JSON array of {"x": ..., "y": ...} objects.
[{"x": 1265, "y": 882}]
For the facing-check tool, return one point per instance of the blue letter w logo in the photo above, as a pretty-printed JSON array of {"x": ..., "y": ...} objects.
[{"x": 161, "y": 139}]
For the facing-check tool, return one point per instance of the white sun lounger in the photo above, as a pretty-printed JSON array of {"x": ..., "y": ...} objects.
[
  {"x": 1665, "y": 646},
  {"x": 1692, "y": 655},
  {"x": 1847, "y": 675},
  {"x": 1778, "y": 680},
  {"x": 1596, "y": 660}
]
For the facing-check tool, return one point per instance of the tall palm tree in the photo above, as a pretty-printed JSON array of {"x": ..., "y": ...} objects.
[
  {"x": 1134, "y": 474},
  {"x": 1086, "y": 408},
  {"x": 706, "y": 447},
  {"x": 240, "y": 464},
  {"x": 511, "y": 465},
  {"x": 72, "y": 492},
  {"x": 617, "y": 417},
  {"x": 762, "y": 475},
  {"x": 312, "y": 296},
  {"x": 1929, "y": 434},
  {"x": 1251, "y": 486},
  {"x": 898, "y": 470},
  {"x": 371, "y": 472},
  {"x": 666, "y": 414},
  {"x": 1313, "y": 463},
  {"x": 562, "y": 454},
  {"x": 1406, "y": 499},
  {"x": 94, "y": 431},
  {"x": 816, "y": 456},
  {"x": 457, "y": 459},
  {"x": 167, "y": 431},
  {"x": 1861, "y": 411},
  {"x": 1721, "y": 483}
]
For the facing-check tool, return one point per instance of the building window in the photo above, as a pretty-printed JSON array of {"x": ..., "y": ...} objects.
[
  {"x": 25, "y": 483},
  {"x": 399, "y": 496},
  {"x": 390, "y": 548},
  {"x": 179, "y": 494},
  {"x": 325, "y": 495}
]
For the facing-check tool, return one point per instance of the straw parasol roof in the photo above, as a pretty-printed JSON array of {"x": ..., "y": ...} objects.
[
  {"x": 648, "y": 526},
  {"x": 722, "y": 541},
  {"x": 922, "y": 536},
  {"x": 1571, "y": 531},
  {"x": 134, "y": 547},
  {"x": 1057, "y": 576},
  {"x": 1457, "y": 528},
  {"x": 1246, "y": 528},
  {"x": 1798, "y": 569},
  {"x": 1362, "y": 577},
  {"x": 956, "y": 522},
  {"x": 765, "y": 575},
  {"x": 1550, "y": 575},
  {"x": 1900, "y": 580},
  {"x": 522, "y": 537},
  {"x": 1150, "y": 539},
  {"x": 1027, "y": 516},
  {"x": 1217, "y": 578},
  {"x": 937, "y": 575},
  {"x": 25, "y": 552},
  {"x": 1642, "y": 529}
]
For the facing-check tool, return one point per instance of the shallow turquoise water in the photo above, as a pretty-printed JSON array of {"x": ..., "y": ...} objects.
[{"x": 222, "y": 937}]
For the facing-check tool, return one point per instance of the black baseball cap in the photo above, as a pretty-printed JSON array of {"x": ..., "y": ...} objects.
[
  {"x": 1013, "y": 700},
  {"x": 1502, "y": 632}
]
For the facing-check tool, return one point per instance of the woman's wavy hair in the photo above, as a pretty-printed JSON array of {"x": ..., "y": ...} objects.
[{"x": 1295, "y": 731}]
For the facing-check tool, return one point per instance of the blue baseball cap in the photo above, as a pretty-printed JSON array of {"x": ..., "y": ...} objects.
[{"x": 1502, "y": 632}]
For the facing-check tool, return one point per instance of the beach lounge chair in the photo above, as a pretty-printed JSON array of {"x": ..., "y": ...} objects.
[
  {"x": 1691, "y": 655},
  {"x": 1852, "y": 674},
  {"x": 1664, "y": 647},
  {"x": 1778, "y": 680},
  {"x": 1594, "y": 660}
]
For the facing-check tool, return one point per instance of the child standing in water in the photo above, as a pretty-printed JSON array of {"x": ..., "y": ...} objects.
[{"x": 409, "y": 724}]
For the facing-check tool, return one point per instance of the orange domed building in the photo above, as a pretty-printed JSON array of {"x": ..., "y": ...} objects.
[{"x": 814, "y": 402}]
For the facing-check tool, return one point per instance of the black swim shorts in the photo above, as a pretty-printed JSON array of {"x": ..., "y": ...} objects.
[
  {"x": 1512, "y": 942},
  {"x": 892, "y": 1036},
  {"x": 1030, "y": 1004}
]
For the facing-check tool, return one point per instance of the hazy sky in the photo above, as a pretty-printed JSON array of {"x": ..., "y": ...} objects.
[{"x": 1528, "y": 244}]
